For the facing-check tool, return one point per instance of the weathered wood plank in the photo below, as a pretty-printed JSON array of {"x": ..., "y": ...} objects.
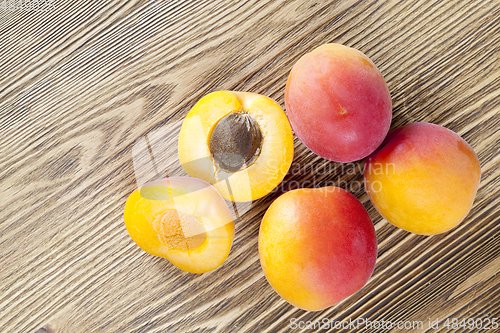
[{"x": 80, "y": 86}]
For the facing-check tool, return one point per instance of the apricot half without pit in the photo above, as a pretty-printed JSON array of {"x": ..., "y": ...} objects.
[
  {"x": 183, "y": 219},
  {"x": 240, "y": 142}
]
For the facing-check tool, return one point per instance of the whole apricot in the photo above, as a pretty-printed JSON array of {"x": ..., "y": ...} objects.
[
  {"x": 338, "y": 103},
  {"x": 423, "y": 179},
  {"x": 240, "y": 142},
  {"x": 183, "y": 219},
  {"x": 317, "y": 246}
]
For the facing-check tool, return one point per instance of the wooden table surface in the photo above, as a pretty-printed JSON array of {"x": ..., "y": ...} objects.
[{"x": 86, "y": 86}]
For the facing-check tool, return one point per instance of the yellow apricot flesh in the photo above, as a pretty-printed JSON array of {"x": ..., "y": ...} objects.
[{"x": 182, "y": 219}]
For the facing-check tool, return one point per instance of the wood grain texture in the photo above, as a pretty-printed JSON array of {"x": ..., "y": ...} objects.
[{"x": 82, "y": 85}]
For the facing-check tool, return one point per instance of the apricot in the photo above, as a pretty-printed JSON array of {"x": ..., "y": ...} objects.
[
  {"x": 423, "y": 179},
  {"x": 240, "y": 142},
  {"x": 183, "y": 219},
  {"x": 338, "y": 103},
  {"x": 317, "y": 246}
]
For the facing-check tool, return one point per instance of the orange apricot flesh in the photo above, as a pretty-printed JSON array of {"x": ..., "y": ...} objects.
[
  {"x": 182, "y": 219},
  {"x": 242, "y": 143}
]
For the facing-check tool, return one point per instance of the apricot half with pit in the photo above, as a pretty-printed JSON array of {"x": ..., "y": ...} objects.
[
  {"x": 183, "y": 219},
  {"x": 240, "y": 142},
  {"x": 317, "y": 246},
  {"x": 338, "y": 103}
]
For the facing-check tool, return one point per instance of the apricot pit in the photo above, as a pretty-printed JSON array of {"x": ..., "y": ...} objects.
[{"x": 235, "y": 141}]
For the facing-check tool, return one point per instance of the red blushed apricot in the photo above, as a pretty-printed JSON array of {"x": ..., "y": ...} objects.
[
  {"x": 423, "y": 179},
  {"x": 338, "y": 103},
  {"x": 182, "y": 219},
  {"x": 317, "y": 246}
]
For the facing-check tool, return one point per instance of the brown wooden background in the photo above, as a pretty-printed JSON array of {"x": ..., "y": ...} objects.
[{"x": 83, "y": 84}]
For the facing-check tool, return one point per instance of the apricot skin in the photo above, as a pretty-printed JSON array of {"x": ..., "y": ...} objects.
[
  {"x": 423, "y": 179},
  {"x": 317, "y": 246},
  {"x": 338, "y": 103}
]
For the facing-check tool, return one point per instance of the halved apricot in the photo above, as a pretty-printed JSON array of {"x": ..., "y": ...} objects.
[
  {"x": 240, "y": 142},
  {"x": 182, "y": 219}
]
